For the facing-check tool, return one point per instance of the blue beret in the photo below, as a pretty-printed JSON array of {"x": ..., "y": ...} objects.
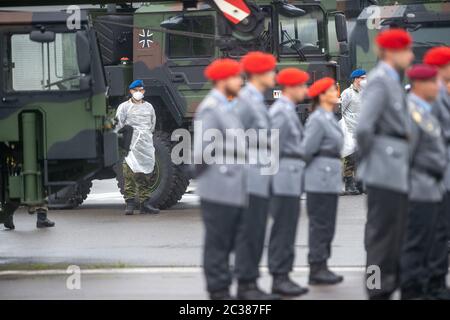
[
  {"x": 358, "y": 73},
  {"x": 136, "y": 83}
]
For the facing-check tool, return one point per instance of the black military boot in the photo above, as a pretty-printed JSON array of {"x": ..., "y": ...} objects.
[
  {"x": 350, "y": 186},
  {"x": 412, "y": 292},
  {"x": 319, "y": 274},
  {"x": 438, "y": 290},
  {"x": 220, "y": 295},
  {"x": 284, "y": 286},
  {"x": 42, "y": 220},
  {"x": 9, "y": 222},
  {"x": 250, "y": 291},
  {"x": 146, "y": 207},
  {"x": 130, "y": 205},
  {"x": 360, "y": 186}
]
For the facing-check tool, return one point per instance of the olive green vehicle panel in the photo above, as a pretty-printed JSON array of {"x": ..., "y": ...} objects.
[
  {"x": 61, "y": 122},
  {"x": 53, "y": 109},
  {"x": 182, "y": 77},
  {"x": 432, "y": 16}
]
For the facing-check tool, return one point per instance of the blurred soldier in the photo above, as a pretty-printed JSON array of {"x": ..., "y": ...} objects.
[
  {"x": 350, "y": 109},
  {"x": 221, "y": 187},
  {"x": 437, "y": 288},
  {"x": 428, "y": 164},
  {"x": 254, "y": 115},
  {"x": 140, "y": 161},
  {"x": 8, "y": 209},
  {"x": 287, "y": 182},
  {"x": 41, "y": 215},
  {"x": 382, "y": 136},
  {"x": 321, "y": 149}
]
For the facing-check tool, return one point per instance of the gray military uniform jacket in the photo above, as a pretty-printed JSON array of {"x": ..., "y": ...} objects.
[
  {"x": 382, "y": 132},
  {"x": 321, "y": 149},
  {"x": 220, "y": 182},
  {"x": 288, "y": 180},
  {"x": 442, "y": 112},
  {"x": 254, "y": 114},
  {"x": 428, "y": 153}
]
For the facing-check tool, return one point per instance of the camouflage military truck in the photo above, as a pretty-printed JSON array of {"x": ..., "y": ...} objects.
[
  {"x": 167, "y": 44},
  {"x": 427, "y": 21},
  {"x": 54, "y": 127}
]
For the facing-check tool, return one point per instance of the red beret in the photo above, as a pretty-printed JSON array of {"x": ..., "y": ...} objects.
[
  {"x": 393, "y": 39},
  {"x": 320, "y": 86},
  {"x": 292, "y": 77},
  {"x": 258, "y": 62},
  {"x": 439, "y": 56},
  {"x": 421, "y": 72},
  {"x": 222, "y": 69}
]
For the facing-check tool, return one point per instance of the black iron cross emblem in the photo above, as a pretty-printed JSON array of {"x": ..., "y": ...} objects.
[{"x": 145, "y": 38}]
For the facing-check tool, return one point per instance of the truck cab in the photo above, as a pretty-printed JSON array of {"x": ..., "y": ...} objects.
[{"x": 53, "y": 110}]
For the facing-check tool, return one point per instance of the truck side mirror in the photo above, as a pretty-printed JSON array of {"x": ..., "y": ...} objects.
[
  {"x": 173, "y": 23},
  {"x": 83, "y": 52},
  {"x": 289, "y": 10},
  {"x": 341, "y": 27},
  {"x": 42, "y": 36}
]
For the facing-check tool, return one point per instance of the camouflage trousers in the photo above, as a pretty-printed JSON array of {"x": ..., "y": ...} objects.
[
  {"x": 10, "y": 208},
  {"x": 349, "y": 166},
  {"x": 136, "y": 184}
]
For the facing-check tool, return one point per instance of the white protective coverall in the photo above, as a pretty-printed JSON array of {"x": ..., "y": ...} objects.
[
  {"x": 142, "y": 117},
  {"x": 350, "y": 109}
]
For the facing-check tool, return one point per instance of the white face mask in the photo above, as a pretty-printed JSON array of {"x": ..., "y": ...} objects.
[
  {"x": 363, "y": 83},
  {"x": 138, "y": 95}
]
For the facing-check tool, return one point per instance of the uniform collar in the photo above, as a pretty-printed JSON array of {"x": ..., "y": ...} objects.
[
  {"x": 220, "y": 96},
  {"x": 287, "y": 101},
  {"x": 390, "y": 71},
  {"x": 327, "y": 113},
  {"x": 255, "y": 92},
  {"x": 354, "y": 88},
  {"x": 420, "y": 102}
]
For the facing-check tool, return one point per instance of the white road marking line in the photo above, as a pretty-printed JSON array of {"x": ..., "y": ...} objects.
[{"x": 147, "y": 270}]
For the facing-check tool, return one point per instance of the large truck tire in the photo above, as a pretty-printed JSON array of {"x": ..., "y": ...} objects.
[
  {"x": 169, "y": 183},
  {"x": 70, "y": 197}
]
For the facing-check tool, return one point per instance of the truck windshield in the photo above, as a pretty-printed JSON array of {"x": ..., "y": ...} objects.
[
  {"x": 304, "y": 34},
  {"x": 429, "y": 36},
  {"x": 44, "y": 66}
]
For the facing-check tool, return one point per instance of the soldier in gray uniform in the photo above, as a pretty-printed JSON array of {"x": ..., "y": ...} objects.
[
  {"x": 428, "y": 164},
  {"x": 287, "y": 182},
  {"x": 321, "y": 149},
  {"x": 254, "y": 115},
  {"x": 382, "y": 136},
  {"x": 437, "y": 286},
  {"x": 221, "y": 186}
]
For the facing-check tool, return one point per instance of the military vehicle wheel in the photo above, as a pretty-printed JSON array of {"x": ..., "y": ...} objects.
[
  {"x": 169, "y": 183},
  {"x": 70, "y": 197}
]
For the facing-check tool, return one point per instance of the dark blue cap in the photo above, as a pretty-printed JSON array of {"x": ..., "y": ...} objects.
[
  {"x": 358, "y": 73},
  {"x": 136, "y": 83}
]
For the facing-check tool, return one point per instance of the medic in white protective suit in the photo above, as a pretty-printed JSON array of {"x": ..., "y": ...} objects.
[{"x": 140, "y": 161}]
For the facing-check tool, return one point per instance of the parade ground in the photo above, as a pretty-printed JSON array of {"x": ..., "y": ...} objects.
[{"x": 148, "y": 256}]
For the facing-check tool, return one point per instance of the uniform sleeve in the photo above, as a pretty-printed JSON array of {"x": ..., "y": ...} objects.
[
  {"x": 415, "y": 134},
  {"x": 346, "y": 98},
  {"x": 279, "y": 121},
  {"x": 373, "y": 103},
  {"x": 153, "y": 122},
  {"x": 205, "y": 121},
  {"x": 313, "y": 138},
  {"x": 242, "y": 111},
  {"x": 121, "y": 116}
]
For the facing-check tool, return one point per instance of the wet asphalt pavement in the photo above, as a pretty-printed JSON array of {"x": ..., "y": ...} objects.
[{"x": 147, "y": 256}]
